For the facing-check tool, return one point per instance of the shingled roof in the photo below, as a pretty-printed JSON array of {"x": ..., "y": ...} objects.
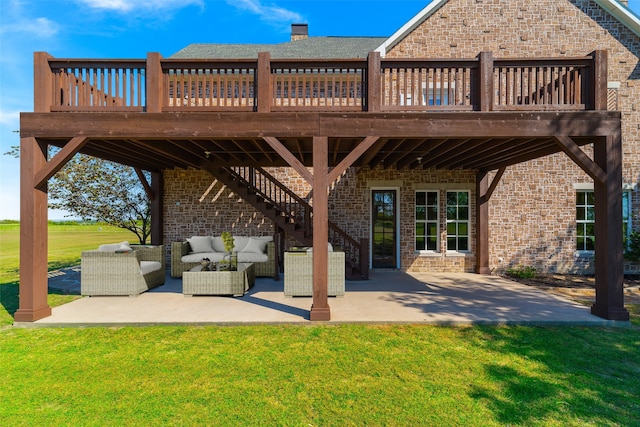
[{"x": 310, "y": 48}]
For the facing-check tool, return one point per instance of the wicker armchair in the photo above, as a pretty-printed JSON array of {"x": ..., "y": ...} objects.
[
  {"x": 298, "y": 274},
  {"x": 115, "y": 273}
]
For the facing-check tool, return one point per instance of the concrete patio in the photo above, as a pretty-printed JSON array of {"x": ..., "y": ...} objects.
[{"x": 389, "y": 297}]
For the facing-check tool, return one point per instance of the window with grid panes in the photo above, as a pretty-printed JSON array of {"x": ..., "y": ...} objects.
[
  {"x": 458, "y": 221},
  {"x": 585, "y": 221},
  {"x": 426, "y": 231}
]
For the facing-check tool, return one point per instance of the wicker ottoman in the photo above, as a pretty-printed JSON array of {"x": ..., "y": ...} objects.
[{"x": 234, "y": 283}]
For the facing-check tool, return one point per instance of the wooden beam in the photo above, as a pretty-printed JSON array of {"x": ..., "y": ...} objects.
[
  {"x": 362, "y": 147},
  {"x": 580, "y": 158},
  {"x": 494, "y": 184},
  {"x": 42, "y": 83},
  {"x": 264, "y": 82},
  {"x": 485, "y": 67},
  {"x": 482, "y": 223},
  {"x": 320, "y": 310},
  {"x": 202, "y": 125},
  {"x": 372, "y": 153},
  {"x": 59, "y": 160},
  {"x": 600, "y": 82},
  {"x": 291, "y": 159},
  {"x": 374, "y": 82},
  {"x": 609, "y": 261},
  {"x": 33, "y": 303},
  {"x": 157, "y": 209},
  {"x": 155, "y": 83},
  {"x": 143, "y": 180}
]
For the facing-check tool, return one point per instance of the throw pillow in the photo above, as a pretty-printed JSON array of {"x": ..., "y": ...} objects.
[
  {"x": 256, "y": 246},
  {"x": 115, "y": 247},
  {"x": 200, "y": 244},
  {"x": 218, "y": 244},
  {"x": 239, "y": 243}
]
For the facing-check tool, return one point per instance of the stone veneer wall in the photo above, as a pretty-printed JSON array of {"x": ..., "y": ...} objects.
[
  {"x": 196, "y": 204},
  {"x": 532, "y": 212}
]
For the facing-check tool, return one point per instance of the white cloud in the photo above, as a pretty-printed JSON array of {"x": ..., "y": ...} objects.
[
  {"x": 127, "y": 6},
  {"x": 269, "y": 13},
  {"x": 38, "y": 27}
]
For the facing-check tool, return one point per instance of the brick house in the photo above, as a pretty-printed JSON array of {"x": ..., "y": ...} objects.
[{"x": 476, "y": 161}]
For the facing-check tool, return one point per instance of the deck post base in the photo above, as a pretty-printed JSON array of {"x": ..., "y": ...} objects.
[
  {"x": 610, "y": 313},
  {"x": 320, "y": 314}
]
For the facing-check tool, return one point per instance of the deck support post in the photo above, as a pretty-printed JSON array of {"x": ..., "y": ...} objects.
[
  {"x": 33, "y": 234},
  {"x": 482, "y": 223},
  {"x": 484, "y": 191},
  {"x": 609, "y": 261},
  {"x": 157, "y": 208},
  {"x": 320, "y": 310}
]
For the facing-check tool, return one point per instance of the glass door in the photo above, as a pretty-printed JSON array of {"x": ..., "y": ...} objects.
[{"x": 384, "y": 229}]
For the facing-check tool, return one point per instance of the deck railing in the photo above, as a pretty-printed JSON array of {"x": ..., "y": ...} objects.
[{"x": 374, "y": 84}]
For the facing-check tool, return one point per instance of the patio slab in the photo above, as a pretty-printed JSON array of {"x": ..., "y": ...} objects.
[{"x": 389, "y": 297}]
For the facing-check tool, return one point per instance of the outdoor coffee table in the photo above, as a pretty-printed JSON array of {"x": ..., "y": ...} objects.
[{"x": 236, "y": 283}]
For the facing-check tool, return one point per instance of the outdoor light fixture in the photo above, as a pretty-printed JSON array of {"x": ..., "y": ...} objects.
[
  {"x": 419, "y": 160},
  {"x": 207, "y": 154}
]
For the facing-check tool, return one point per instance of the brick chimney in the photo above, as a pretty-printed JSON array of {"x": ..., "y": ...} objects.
[{"x": 299, "y": 32}]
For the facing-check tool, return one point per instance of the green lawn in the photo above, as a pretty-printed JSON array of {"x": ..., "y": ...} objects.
[
  {"x": 351, "y": 375},
  {"x": 347, "y": 375}
]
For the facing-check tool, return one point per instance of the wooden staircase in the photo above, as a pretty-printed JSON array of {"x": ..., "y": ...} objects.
[{"x": 292, "y": 214}]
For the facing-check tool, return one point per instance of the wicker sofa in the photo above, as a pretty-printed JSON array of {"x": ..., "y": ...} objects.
[
  {"x": 125, "y": 270},
  {"x": 257, "y": 250},
  {"x": 298, "y": 274}
]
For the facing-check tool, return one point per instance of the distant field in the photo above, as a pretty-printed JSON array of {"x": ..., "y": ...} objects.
[{"x": 66, "y": 242}]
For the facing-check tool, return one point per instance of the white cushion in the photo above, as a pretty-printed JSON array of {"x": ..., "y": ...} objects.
[
  {"x": 265, "y": 238},
  {"x": 217, "y": 244},
  {"x": 239, "y": 243},
  {"x": 252, "y": 257},
  {"x": 213, "y": 256},
  {"x": 255, "y": 245},
  {"x": 122, "y": 246},
  {"x": 200, "y": 244},
  {"x": 149, "y": 266}
]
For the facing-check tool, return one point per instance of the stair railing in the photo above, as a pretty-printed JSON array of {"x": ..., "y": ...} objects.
[{"x": 297, "y": 210}]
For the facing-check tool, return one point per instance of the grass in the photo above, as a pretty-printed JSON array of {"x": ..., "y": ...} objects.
[
  {"x": 350, "y": 375},
  {"x": 66, "y": 242}
]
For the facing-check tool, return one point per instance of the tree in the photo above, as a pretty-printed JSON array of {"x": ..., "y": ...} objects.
[{"x": 100, "y": 190}]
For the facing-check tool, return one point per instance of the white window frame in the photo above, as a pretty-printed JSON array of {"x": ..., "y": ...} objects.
[
  {"x": 457, "y": 221},
  {"x": 582, "y": 223},
  {"x": 426, "y": 222}
]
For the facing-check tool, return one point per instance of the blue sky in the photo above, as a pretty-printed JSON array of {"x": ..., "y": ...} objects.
[{"x": 131, "y": 28}]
